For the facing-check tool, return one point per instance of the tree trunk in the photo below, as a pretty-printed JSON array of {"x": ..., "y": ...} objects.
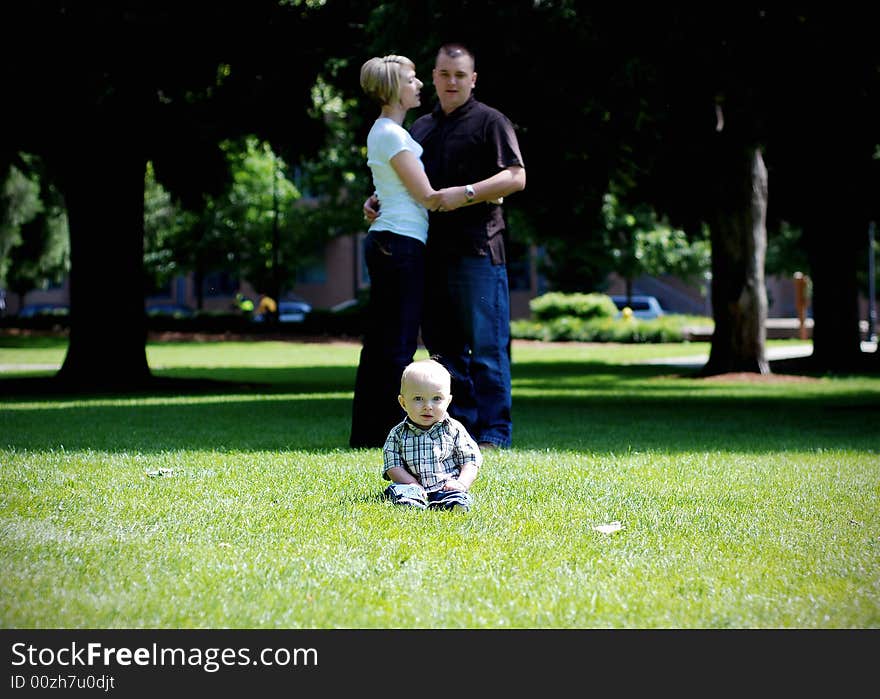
[
  {"x": 103, "y": 181},
  {"x": 833, "y": 245},
  {"x": 739, "y": 246}
]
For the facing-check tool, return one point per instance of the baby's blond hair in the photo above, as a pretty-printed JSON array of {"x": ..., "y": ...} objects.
[
  {"x": 380, "y": 78},
  {"x": 425, "y": 369}
]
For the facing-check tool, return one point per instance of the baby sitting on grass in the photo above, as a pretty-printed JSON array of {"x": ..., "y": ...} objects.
[{"x": 429, "y": 457}]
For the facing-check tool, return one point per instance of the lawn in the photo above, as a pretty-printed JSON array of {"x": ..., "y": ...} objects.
[{"x": 741, "y": 504}]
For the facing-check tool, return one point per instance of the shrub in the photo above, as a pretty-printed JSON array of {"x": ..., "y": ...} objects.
[
  {"x": 557, "y": 305},
  {"x": 559, "y": 317}
]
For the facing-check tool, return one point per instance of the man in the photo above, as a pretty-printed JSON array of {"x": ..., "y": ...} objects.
[{"x": 467, "y": 300}]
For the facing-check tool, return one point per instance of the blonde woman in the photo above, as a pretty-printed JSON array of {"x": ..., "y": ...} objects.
[{"x": 394, "y": 248}]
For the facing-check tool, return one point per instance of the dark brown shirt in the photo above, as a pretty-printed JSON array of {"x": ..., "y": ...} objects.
[{"x": 472, "y": 143}]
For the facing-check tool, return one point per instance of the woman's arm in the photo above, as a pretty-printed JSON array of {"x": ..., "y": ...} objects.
[
  {"x": 493, "y": 189},
  {"x": 412, "y": 174}
]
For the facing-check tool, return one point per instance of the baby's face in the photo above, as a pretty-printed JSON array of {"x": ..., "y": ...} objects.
[{"x": 425, "y": 400}]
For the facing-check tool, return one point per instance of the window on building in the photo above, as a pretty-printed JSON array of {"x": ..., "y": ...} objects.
[
  {"x": 220, "y": 284},
  {"x": 315, "y": 273}
]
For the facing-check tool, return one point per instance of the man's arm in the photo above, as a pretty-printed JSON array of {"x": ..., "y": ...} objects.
[{"x": 501, "y": 184}]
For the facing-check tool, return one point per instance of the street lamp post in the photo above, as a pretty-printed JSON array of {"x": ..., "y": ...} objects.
[{"x": 872, "y": 307}]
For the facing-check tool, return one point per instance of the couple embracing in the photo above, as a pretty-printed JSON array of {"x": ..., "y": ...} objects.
[{"x": 435, "y": 249}]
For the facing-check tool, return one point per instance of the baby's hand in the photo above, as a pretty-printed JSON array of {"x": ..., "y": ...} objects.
[{"x": 453, "y": 484}]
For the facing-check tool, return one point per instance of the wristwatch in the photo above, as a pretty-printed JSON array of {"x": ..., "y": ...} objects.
[{"x": 469, "y": 192}]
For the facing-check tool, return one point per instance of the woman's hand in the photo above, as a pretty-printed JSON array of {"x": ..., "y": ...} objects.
[
  {"x": 371, "y": 209},
  {"x": 450, "y": 198}
]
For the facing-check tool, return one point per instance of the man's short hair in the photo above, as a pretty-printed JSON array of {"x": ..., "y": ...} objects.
[{"x": 454, "y": 50}]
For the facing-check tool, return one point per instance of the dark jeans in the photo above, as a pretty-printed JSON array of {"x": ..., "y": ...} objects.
[
  {"x": 415, "y": 496},
  {"x": 467, "y": 324},
  {"x": 396, "y": 265}
]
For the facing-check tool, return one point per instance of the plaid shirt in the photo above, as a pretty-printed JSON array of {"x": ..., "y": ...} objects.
[{"x": 432, "y": 455}]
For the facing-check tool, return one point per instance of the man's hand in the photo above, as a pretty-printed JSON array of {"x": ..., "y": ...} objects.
[{"x": 452, "y": 198}]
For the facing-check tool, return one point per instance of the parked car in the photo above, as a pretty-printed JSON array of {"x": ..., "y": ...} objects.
[
  {"x": 172, "y": 310},
  {"x": 293, "y": 310},
  {"x": 645, "y": 307},
  {"x": 35, "y": 310}
]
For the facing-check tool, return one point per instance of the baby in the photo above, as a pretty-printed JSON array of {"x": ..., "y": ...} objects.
[{"x": 429, "y": 457}]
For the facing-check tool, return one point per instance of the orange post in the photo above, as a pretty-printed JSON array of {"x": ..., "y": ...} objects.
[{"x": 800, "y": 300}]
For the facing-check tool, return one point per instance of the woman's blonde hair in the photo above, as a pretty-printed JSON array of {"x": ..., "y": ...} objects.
[{"x": 380, "y": 78}]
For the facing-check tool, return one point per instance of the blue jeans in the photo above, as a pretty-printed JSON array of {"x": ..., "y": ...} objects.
[
  {"x": 396, "y": 264},
  {"x": 467, "y": 325}
]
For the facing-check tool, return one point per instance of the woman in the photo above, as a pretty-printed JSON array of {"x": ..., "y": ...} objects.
[{"x": 394, "y": 249}]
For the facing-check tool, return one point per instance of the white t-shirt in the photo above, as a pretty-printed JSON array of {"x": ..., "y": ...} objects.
[{"x": 399, "y": 213}]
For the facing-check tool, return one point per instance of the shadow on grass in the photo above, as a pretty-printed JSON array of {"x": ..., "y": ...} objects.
[
  {"x": 204, "y": 422},
  {"x": 32, "y": 340},
  {"x": 189, "y": 381},
  {"x": 602, "y": 408},
  {"x": 589, "y": 406},
  {"x": 679, "y": 423}
]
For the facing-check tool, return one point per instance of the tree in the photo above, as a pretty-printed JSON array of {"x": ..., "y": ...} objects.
[
  {"x": 637, "y": 117},
  {"x": 794, "y": 86},
  {"x": 19, "y": 204},
  {"x": 739, "y": 243},
  {"x": 827, "y": 169},
  {"x": 700, "y": 138},
  {"x": 641, "y": 243},
  {"x": 259, "y": 228},
  {"x": 602, "y": 101},
  {"x": 264, "y": 226},
  {"x": 34, "y": 239},
  {"x": 99, "y": 102},
  {"x": 250, "y": 215},
  {"x": 165, "y": 227}
]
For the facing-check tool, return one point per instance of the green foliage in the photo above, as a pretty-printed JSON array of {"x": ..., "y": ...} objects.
[
  {"x": 785, "y": 251},
  {"x": 556, "y": 304},
  {"x": 274, "y": 217},
  {"x": 258, "y": 218},
  {"x": 668, "y": 328},
  {"x": 559, "y": 317},
  {"x": 571, "y": 266},
  {"x": 166, "y": 225},
  {"x": 19, "y": 204},
  {"x": 259, "y": 229},
  {"x": 335, "y": 178},
  {"x": 34, "y": 239},
  {"x": 641, "y": 243}
]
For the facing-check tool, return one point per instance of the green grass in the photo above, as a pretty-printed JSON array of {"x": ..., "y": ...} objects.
[{"x": 743, "y": 505}]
